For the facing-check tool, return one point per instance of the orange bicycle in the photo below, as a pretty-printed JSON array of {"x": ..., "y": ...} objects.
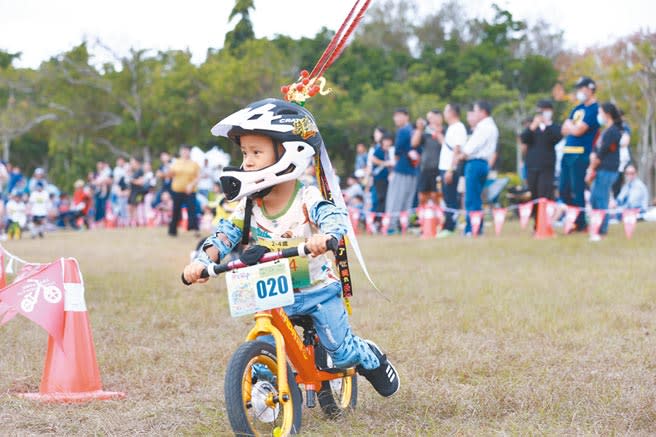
[{"x": 262, "y": 380}]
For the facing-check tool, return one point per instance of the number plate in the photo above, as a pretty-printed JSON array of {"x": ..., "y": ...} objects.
[{"x": 259, "y": 287}]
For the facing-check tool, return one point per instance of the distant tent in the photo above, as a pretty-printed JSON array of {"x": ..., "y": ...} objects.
[{"x": 216, "y": 157}]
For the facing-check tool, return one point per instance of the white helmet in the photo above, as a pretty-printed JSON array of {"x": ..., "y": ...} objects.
[{"x": 285, "y": 123}]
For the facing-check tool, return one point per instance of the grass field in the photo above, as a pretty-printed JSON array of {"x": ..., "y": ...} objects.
[{"x": 497, "y": 335}]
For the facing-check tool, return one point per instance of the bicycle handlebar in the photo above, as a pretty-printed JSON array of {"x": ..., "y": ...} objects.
[{"x": 301, "y": 250}]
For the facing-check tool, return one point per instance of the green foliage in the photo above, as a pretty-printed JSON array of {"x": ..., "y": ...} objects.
[
  {"x": 147, "y": 102},
  {"x": 243, "y": 30}
]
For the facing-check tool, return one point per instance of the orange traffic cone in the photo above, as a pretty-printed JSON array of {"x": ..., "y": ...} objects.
[
  {"x": 110, "y": 218},
  {"x": 71, "y": 372},
  {"x": 428, "y": 222},
  {"x": 543, "y": 228}
]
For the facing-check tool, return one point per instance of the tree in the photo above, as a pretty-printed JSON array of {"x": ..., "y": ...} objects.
[
  {"x": 20, "y": 110},
  {"x": 243, "y": 30}
]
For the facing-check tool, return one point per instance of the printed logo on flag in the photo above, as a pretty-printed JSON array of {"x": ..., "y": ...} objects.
[{"x": 34, "y": 288}]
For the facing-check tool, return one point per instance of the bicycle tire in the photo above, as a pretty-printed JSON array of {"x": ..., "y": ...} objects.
[
  {"x": 241, "y": 420},
  {"x": 332, "y": 407}
]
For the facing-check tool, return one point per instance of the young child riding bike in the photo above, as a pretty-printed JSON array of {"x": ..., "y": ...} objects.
[{"x": 278, "y": 140}]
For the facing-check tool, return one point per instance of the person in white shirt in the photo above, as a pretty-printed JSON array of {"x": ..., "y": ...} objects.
[
  {"x": 478, "y": 151},
  {"x": 16, "y": 215},
  {"x": 39, "y": 204},
  {"x": 206, "y": 181},
  {"x": 452, "y": 143}
]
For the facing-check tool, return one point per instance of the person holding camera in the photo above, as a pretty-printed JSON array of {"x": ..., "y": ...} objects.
[
  {"x": 539, "y": 140},
  {"x": 426, "y": 136}
]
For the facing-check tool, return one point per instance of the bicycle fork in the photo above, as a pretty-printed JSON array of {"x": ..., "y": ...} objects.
[{"x": 263, "y": 326}]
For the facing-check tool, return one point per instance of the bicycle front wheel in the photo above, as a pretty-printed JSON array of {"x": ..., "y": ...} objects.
[{"x": 252, "y": 396}]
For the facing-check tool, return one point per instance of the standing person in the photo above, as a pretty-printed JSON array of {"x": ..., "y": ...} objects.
[
  {"x": 39, "y": 204},
  {"x": 206, "y": 180},
  {"x": 452, "y": 143},
  {"x": 184, "y": 174},
  {"x": 381, "y": 162},
  {"x": 137, "y": 181},
  {"x": 403, "y": 181},
  {"x": 162, "y": 175},
  {"x": 361, "y": 156},
  {"x": 605, "y": 162},
  {"x": 371, "y": 195},
  {"x": 477, "y": 152},
  {"x": 426, "y": 137},
  {"x": 121, "y": 190},
  {"x": 539, "y": 141},
  {"x": 625, "y": 154},
  {"x": 102, "y": 182},
  {"x": 4, "y": 175},
  {"x": 16, "y": 215},
  {"x": 580, "y": 130},
  {"x": 38, "y": 176},
  {"x": 15, "y": 177}
]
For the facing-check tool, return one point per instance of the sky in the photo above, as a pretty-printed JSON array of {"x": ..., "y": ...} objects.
[{"x": 41, "y": 29}]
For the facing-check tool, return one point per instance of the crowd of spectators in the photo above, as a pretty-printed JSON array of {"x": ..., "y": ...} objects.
[
  {"x": 129, "y": 194},
  {"x": 585, "y": 161}
]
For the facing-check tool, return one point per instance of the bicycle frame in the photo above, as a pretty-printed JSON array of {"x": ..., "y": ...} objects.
[{"x": 276, "y": 323}]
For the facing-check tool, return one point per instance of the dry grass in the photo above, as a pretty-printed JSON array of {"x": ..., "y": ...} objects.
[{"x": 499, "y": 335}]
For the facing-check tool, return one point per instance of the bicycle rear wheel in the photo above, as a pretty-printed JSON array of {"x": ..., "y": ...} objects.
[{"x": 252, "y": 393}]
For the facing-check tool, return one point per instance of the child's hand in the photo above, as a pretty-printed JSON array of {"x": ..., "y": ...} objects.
[
  {"x": 192, "y": 272},
  {"x": 317, "y": 244}
]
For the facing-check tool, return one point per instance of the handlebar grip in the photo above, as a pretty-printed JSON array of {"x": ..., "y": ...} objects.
[
  {"x": 332, "y": 244},
  {"x": 203, "y": 274}
]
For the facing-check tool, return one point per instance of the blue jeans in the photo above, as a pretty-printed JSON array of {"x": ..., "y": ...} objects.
[
  {"x": 600, "y": 194},
  {"x": 327, "y": 311},
  {"x": 450, "y": 195},
  {"x": 100, "y": 205},
  {"x": 572, "y": 183},
  {"x": 476, "y": 171}
]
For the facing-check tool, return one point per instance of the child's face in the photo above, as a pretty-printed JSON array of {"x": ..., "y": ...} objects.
[{"x": 257, "y": 152}]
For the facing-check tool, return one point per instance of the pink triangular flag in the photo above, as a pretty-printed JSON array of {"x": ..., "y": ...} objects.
[
  {"x": 475, "y": 217},
  {"x": 354, "y": 216},
  {"x": 404, "y": 220},
  {"x": 499, "y": 216},
  {"x": 525, "y": 210},
  {"x": 596, "y": 219},
  {"x": 551, "y": 211},
  {"x": 369, "y": 222},
  {"x": 439, "y": 214},
  {"x": 629, "y": 218},
  {"x": 570, "y": 218},
  {"x": 385, "y": 222}
]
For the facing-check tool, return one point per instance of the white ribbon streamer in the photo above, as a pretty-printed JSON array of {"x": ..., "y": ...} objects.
[{"x": 338, "y": 198}]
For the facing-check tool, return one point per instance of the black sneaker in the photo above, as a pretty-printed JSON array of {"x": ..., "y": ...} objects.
[{"x": 384, "y": 378}]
